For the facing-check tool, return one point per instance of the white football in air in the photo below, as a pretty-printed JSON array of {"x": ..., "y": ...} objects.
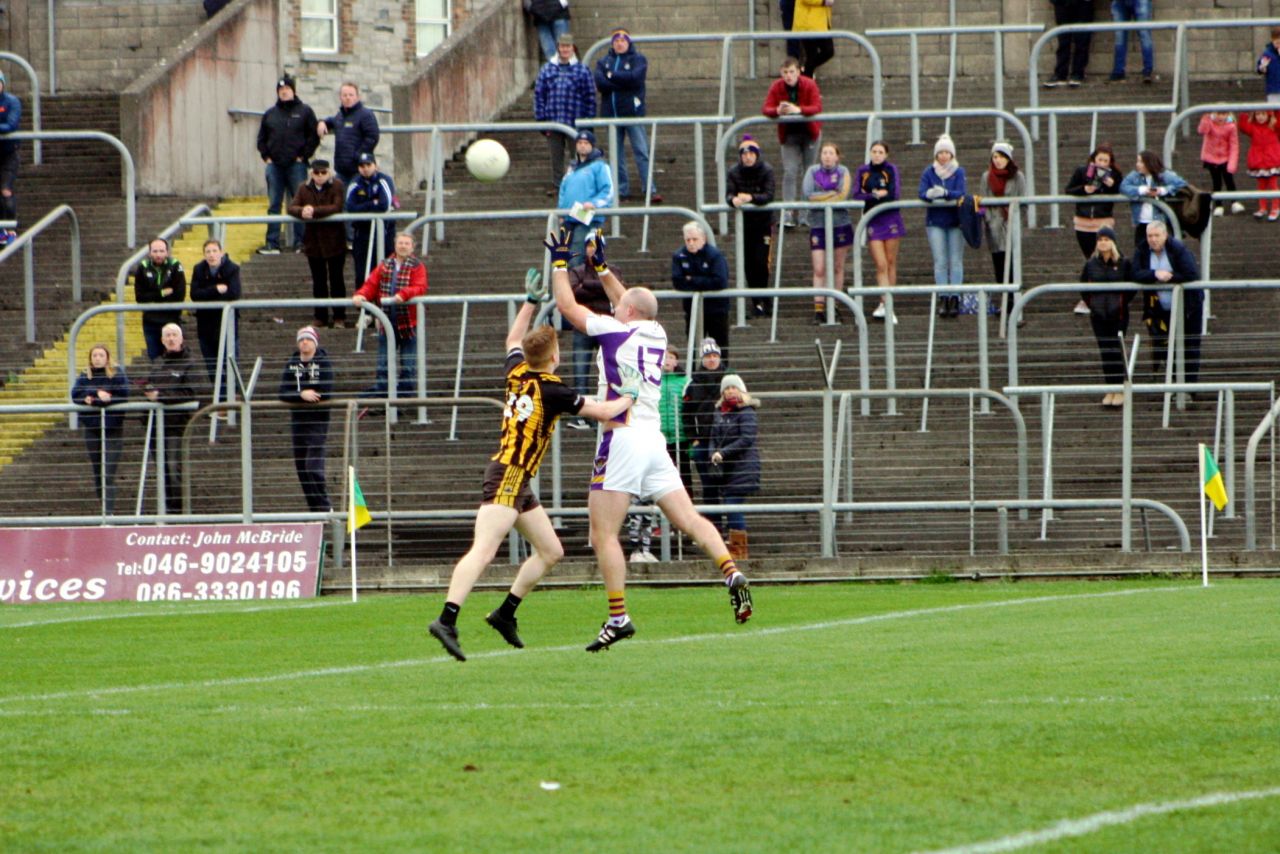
[{"x": 487, "y": 160}]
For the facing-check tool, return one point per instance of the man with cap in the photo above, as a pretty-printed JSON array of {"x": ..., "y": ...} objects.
[
  {"x": 371, "y": 191},
  {"x": 698, "y": 414},
  {"x": 564, "y": 92},
  {"x": 587, "y": 182},
  {"x": 307, "y": 380},
  {"x": 324, "y": 243},
  {"x": 287, "y": 138},
  {"x": 620, "y": 77},
  {"x": 750, "y": 182},
  {"x": 10, "y": 114}
]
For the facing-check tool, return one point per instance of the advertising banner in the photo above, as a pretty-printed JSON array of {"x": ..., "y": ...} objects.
[{"x": 173, "y": 563}]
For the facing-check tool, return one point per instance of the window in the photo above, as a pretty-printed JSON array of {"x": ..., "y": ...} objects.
[
  {"x": 432, "y": 21},
  {"x": 320, "y": 26}
]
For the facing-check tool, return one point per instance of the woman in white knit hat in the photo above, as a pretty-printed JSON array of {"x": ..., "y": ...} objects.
[
  {"x": 1003, "y": 179},
  {"x": 734, "y": 454},
  {"x": 942, "y": 184}
]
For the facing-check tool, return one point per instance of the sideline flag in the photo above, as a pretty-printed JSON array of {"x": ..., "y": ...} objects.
[
  {"x": 1213, "y": 487},
  {"x": 360, "y": 517}
]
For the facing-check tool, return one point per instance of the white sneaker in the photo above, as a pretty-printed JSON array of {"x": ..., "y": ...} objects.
[
  {"x": 643, "y": 556},
  {"x": 878, "y": 314},
  {"x": 1237, "y": 207},
  {"x": 1081, "y": 308},
  {"x": 1218, "y": 211}
]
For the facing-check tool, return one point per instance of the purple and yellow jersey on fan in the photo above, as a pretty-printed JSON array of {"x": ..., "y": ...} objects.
[{"x": 640, "y": 344}]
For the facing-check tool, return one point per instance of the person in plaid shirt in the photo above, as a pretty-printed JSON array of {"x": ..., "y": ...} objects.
[
  {"x": 564, "y": 92},
  {"x": 401, "y": 277}
]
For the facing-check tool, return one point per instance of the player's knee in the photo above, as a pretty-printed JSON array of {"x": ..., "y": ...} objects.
[{"x": 552, "y": 555}]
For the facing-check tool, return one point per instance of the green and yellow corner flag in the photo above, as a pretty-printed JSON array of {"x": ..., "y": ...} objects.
[
  {"x": 1213, "y": 487},
  {"x": 360, "y": 517}
]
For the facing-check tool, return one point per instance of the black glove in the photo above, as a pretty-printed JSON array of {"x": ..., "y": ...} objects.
[
  {"x": 558, "y": 245},
  {"x": 595, "y": 248}
]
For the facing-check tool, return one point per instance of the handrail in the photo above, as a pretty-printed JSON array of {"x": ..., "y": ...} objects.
[
  {"x": 130, "y": 177},
  {"x": 36, "y": 156},
  {"x": 1182, "y": 116},
  {"x": 1250, "y": 477},
  {"x": 26, "y": 242},
  {"x": 237, "y": 113}
]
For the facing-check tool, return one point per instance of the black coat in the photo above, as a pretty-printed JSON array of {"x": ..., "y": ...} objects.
[
  {"x": 149, "y": 279},
  {"x": 1087, "y": 175},
  {"x": 288, "y": 133},
  {"x": 355, "y": 132},
  {"x": 204, "y": 288},
  {"x": 179, "y": 377},
  {"x": 759, "y": 182},
  {"x": 1112, "y": 306},
  {"x": 700, "y": 397},
  {"x": 733, "y": 434},
  {"x": 298, "y": 376}
]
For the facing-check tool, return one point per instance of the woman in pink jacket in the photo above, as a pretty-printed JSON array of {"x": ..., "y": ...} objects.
[{"x": 1220, "y": 153}]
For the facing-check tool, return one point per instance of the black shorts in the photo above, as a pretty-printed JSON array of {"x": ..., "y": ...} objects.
[{"x": 508, "y": 486}]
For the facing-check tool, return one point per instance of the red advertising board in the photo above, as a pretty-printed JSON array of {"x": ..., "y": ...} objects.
[{"x": 172, "y": 563}]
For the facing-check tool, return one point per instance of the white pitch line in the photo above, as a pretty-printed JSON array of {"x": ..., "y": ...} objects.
[
  {"x": 414, "y": 662},
  {"x": 215, "y": 609},
  {"x": 1071, "y": 827}
]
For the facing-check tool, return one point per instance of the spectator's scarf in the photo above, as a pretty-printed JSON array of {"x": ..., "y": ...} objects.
[
  {"x": 998, "y": 179},
  {"x": 945, "y": 172}
]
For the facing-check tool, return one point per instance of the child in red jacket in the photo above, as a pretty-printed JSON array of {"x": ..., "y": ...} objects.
[
  {"x": 1264, "y": 157},
  {"x": 1220, "y": 154}
]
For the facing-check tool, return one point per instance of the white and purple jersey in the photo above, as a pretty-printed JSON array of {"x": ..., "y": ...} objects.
[{"x": 640, "y": 344}]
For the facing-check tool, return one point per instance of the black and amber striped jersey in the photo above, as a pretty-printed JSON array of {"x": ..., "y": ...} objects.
[{"x": 535, "y": 399}]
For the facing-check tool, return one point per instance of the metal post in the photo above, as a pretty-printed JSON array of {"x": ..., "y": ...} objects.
[
  {"x": 420, "y": 344},
  {"x": 29, "y": 290},
  {"x": 890, "y": 366},
  {"x": 984, "y": 357},
  {"x": 1002, "y": 520},
  {"x": 457, "y": 372},
  {"x": 739, "y": 265},
  {"x": 1053, "y": 169},
  {"x": 648, "y": 202},
  {"x": 915, "y": 88},
  {"x": 1046, "y": 452},
  {"x": 1229, "y": 457},
  {"x": 1126, "y": 467},
  {"x": 997, "y": 54},
  {"x": 828, "y": 516},
  {"x": 615, "y": 143}
]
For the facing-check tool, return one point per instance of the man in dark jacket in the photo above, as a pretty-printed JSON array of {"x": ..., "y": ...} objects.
[
  {"x": 324, "y": 243},
  {"x": 216, "y": 279},
  {"x": 750, "y": 182},
  {"x": 372, "y": 191},
  {"x": 699, "y": 266},
  {"x": 175, "y": 378},
  {"x": 620, "y": 76},
  {"x": 159, "y": 278},
  {"x": 355, "y": 131},
  {"x": 287, "y": 137},
  {"x": 1165, "y": 260},
  {"x": 308, "y": 380},
  {"x": 10, "y": 115},
  {"x": 698, "y": 414}
]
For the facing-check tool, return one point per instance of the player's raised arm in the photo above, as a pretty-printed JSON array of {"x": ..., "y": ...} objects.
[
  {"x": 557, "y": 244},
  {"x": 613, "y": 288},
  {"x": 535, "y": 294}
]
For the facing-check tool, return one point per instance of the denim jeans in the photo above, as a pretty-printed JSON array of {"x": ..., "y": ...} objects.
[
  {"x": 281, "y": 180},
  {"x": 406, "y": 374},
  {"x": 947, "y": 247},
  {"x": 640, "y": 153},
  {"x": 548, "y": 34},
  {"x": 1132, "y": 10}
]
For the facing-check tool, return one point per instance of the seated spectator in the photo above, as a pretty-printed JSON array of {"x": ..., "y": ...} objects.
[
  {"x": 734, "y": 455},
  {"x": 1149, "y": 180},
  {"x": 174, "y": 378},
  {"x": 1109, "y": 310},
  {"x": 324, "y": 243},
  {"x": 159, "y": 279},
  {"x": 878, "y": 181},
  {"x": 101, "y": 385},
  {"x": 794, "y": 95},
  {"x": 750, "y": 182},
  {"x": 400, "y": 278},
  {"x": 216, "y": 279},
  {"x": 697, "y": 413},
  {"x": 1165, "y": 260},
  {"x": 700, "y": 267},
  {"x": 307, "y": 380},
  {"x": 372, "y": 191},
  {"x": 828, "y": 180}
]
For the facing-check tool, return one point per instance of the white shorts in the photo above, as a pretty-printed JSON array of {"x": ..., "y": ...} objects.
[{"x": 634, "y": 460}]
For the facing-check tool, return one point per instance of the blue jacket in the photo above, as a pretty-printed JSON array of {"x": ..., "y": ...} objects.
[
  {"x": 620, "y": 79},
  {"x": 355, "y": 132},
  {"x": 943, "y": 213},
  {"x": 1272, "y": 71},
  {"x": 1181, "y": 259},
  {"x": 376, "y": 194},
  {"x": 704, "y": 270},
  {"x": 733, "y": 434},
  {"x": 564, "y": 92},
  {"x": 587, "y": 181},
  {"x": 87, "y": 385},
  {"x": 10, "y": 115},
  {"x": 1135, "y": 180}
]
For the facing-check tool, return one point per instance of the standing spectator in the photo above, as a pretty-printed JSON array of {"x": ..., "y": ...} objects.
[
  {"x": 1162, "y": 259},
  {"x": 700, "y": 267},
  {"x": 307, "y": 380},
  {"x": 813, "y": 16},
  {"x": 1073, "y": 48},
  {"x": 1132, "y": 10},
  {"x": 551, "y": 20},
  {"x": 1003, "y": 179},
  {"x": 564, "y": 92},
  {"x": 1096, "y": 177},
  {"x": 10, "y": 116},
  {"x": 734, "y": 452},
  {"x": 324, "y": 243},
  {"x": 793, "y": 95},
  {"x": 698, "y": 412},
  {"x": 1149, "y": 180},
  {"x": 620, "y": 78},
  {"x": 750, "y": 182},
  {"x": 878, "y": 181},
  {"x": 1269, "y": 66},
  {"x": 1220, "y": 154},
  {"x": 287, "y": 137},
  {"x": 213, "y": 7},
  {"x": 1264, "y": 157},
  {"x": 400, "y": 277},
  {"x": 588, "y": 291},
  {"x": 101, "y": 385},
  {"x": 216, "y": 279},
  {"x": 787, "y": 11},
  {"x": 372, "y": 191},
  {"x": 1109, "y": 310},
  {"x": 159, "y": 279},
  {"x": 355, "y": 132},
  {"x": 942, "y": 184},
  {"x": 174, "y": 378},
  {"x": 828, "y": 180},
  {"x": 588, "y": 183}
]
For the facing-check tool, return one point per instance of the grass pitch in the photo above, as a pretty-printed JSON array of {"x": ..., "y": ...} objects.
[{"x": 841, "y": 718}]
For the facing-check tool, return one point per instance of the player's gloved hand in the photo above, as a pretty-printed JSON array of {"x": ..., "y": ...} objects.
[
  {"x": 935, "y": 192},
  {"x": 629, "y": 382},
  {"x": 535, "y": 290},
  {"x": 558, "y": 245},
  {"x": 595, "y": 249}
]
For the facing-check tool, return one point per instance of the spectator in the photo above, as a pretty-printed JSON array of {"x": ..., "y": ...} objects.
[
  {"x": 793, "y": 95},
  {"x": 700, "y": 267},
  {"x": 1269, "y": 66},
  {"x": 1096, "y": 177},
  {"x": 564, "y": 92},
  {"x": 1264, "y": 157},
  {"x": 215, "y": 279},
  {"x": 1003, "y": 179},
  {"x": 787, "y": 11},
  {"x": 101, "y": 385},
  {"x": 674, "y": 383},
  {"x": 174, "y": 378},
  {"x": 307, "y": 380},
  {"x": 828, "y": 180},
  {"x": 355, "y": 132},
  {"x": 1220, "y": 154},
  {"x": 1149, "y": 180},
  {"x": 372, "y": 191},
  {"x": 1132, "y": 10},
  {"x": 1165, "y": 260},
  {"x": 589, "y": 184},
  {"x": 735, "y": 455},
  {"x": 698, "y": 412},
  {"x": 1109, "y": 310},
  {"x": 1073, "y": 48},
  {"x": 287, "y": 137},
  {"x": 159, "y": 279},
  {"x": 589, "y": 291},
  {"x": 551, "y": 20},
  {"x": 942, "y": 184},
  {"x": 324, "y": 243},
  {"x": 878, "y": 181},
  {"x": 400, "y": 278},
  {"x": 750, "y": 182},
  {"x": 813, "y": 16},
  {"x": 10, "y": 116},
  {"x": 620, "y": 77}
]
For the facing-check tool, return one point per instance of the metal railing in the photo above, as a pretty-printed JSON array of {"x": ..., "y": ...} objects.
[
  {"x": 36, "y": 155},
  {"x": 26, "y": 242},
  {"x": 1265, "y": 426}
]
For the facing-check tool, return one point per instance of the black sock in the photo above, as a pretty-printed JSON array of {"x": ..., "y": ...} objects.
[
  {"x": 507, "y": 610},
  {"x": 449, "y": 616}
]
